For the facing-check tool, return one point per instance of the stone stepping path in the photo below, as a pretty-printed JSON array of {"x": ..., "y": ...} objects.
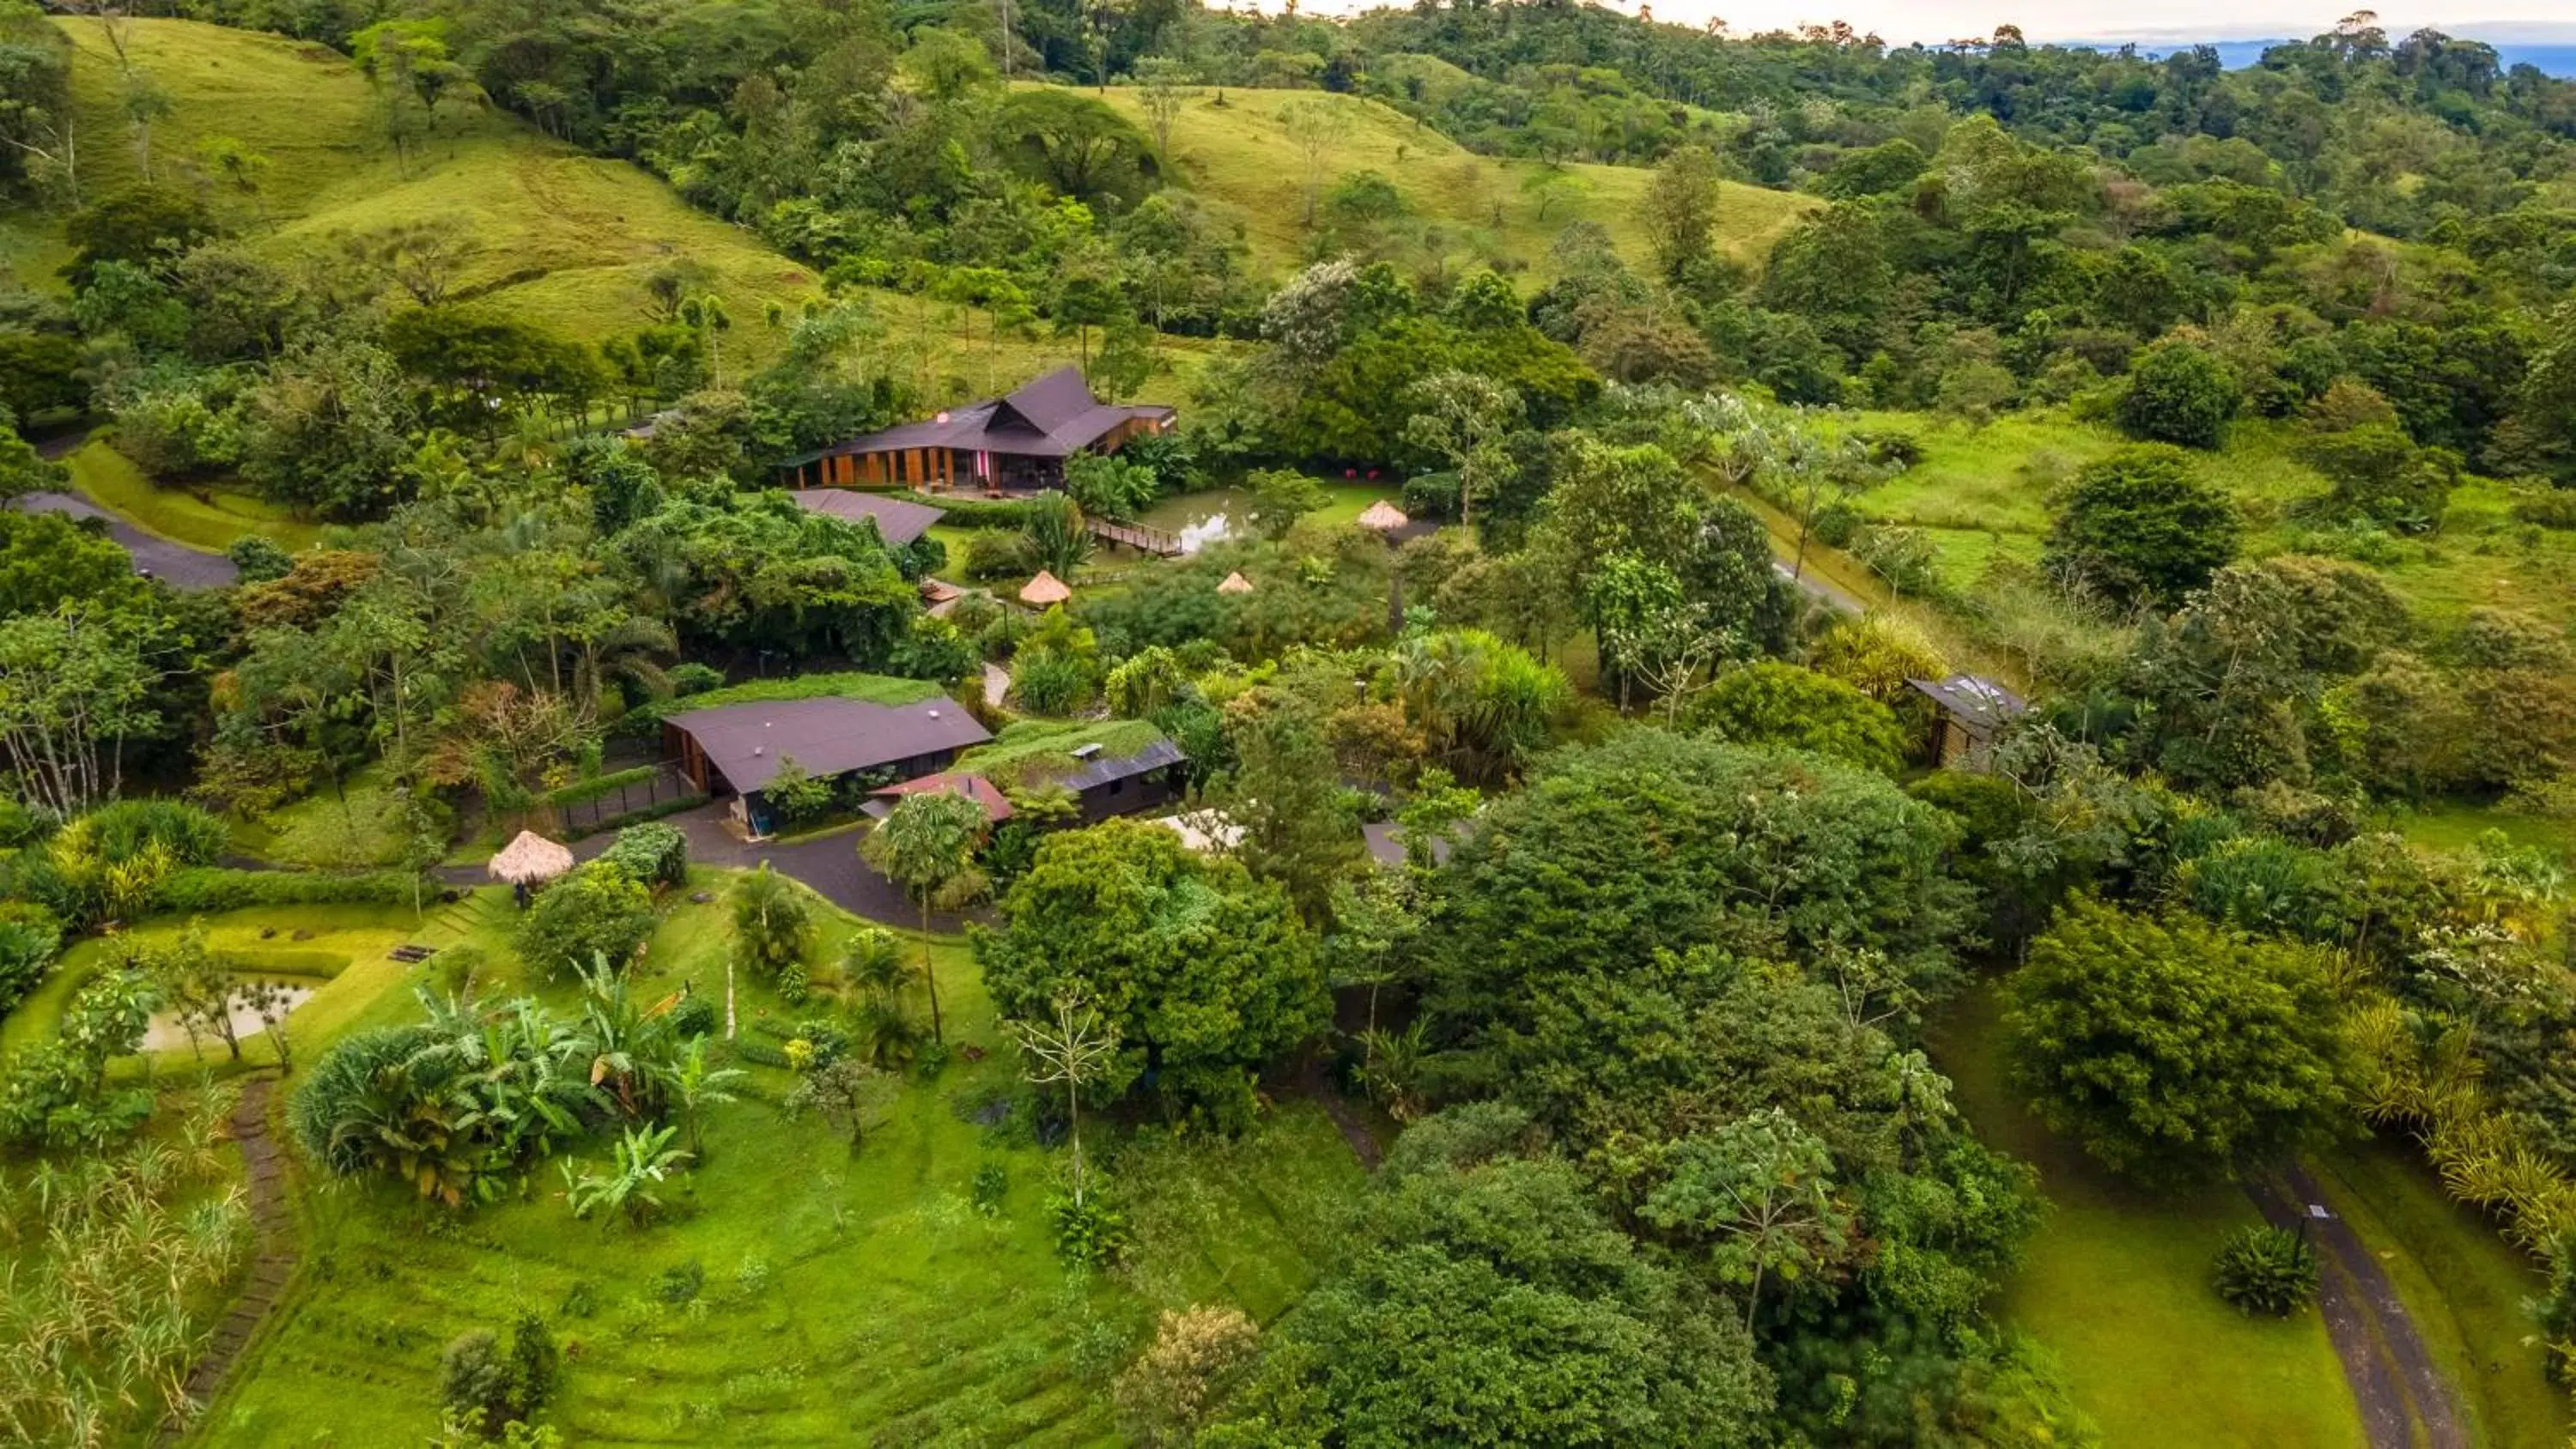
[{"x": 272, "y": 1266}]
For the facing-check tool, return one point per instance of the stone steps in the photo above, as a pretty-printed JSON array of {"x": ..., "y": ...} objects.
[{"x": 271, "y": 1270}]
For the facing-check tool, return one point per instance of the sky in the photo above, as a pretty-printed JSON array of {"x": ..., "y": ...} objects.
[{"x": 2168, "y": 21}]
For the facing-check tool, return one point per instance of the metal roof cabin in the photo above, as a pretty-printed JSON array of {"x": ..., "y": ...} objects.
[{"x": 1970, "y": 710}]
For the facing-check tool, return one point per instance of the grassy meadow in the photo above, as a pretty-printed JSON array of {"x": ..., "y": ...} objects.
[
  {"x": 1985, "y": 493},
  {"x": 839, "y": 1295},
  {"x": 2116, "y": 1284},
  {"x": 1240, "y": 158},
  {"x": 211, "y": 517}
]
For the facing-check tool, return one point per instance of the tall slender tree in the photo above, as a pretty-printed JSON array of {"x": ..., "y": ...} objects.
[{"x": 926, "y": 845}]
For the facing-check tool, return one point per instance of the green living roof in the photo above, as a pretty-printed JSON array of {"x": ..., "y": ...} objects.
[
  {"x": 884, "y": 689},
  {"x": 1046, "y": 746}
]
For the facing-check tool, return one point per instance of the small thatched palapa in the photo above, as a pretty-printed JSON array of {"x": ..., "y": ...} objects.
[
  {"x": 1235, "y": 583},
  {"x": 1044, "y": 590},
  {"x": 1384, "y": 517},
  {"x": 529, "y": 859}
]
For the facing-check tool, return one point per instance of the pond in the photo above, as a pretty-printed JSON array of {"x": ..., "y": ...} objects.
[
  {"x": 1216, "y": 514},
  {"x": 1202, "y": 518},
  {"x": 165, "y": 1034}
]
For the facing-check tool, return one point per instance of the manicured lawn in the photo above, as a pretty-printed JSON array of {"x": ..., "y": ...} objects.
[
  {"x": 2117, "y": 1285},
  {"x": 2463, "y": 1285},
  {"x": 223, "y": 517},
  {"x": 843, "y": 1297},
  {"x": 347, "y": 944}
]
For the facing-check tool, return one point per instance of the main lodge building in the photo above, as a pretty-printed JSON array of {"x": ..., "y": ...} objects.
[{"x": 1008, "y": 445}]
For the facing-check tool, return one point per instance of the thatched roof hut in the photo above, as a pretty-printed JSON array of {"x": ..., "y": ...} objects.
[
  {"x": 1235, "y": 583},
  {"x": 1044, "y": 590},
  {"x": 529, "y": 859},
  {"x": 1384, "y": 517}
]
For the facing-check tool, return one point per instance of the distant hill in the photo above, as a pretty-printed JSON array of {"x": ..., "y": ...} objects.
[
  {"x": 1240, "y": 158},
  {"x": 2551, "y": 57},
  {"x": 558, "y": 237}
]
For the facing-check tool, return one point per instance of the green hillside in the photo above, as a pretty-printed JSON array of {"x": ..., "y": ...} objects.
[
  {"x": 1240, "y": 157},
  {"x": 1985, "y": 492},
  {"x": 557, "y": 237}
]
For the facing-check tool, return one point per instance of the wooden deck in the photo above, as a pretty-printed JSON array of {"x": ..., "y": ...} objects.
[{"x": 1144, "y": 540}]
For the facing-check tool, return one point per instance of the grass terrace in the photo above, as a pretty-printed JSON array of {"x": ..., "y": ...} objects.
[{"x": 797, "y": 1293}]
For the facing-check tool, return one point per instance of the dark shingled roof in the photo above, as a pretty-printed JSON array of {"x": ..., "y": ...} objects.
[
  {"x": 1980, "y": 705},
  {"x": 1053, "y": 417},
  {"x": 826, "y": 736},
  {"x": 898, "y": 522}
]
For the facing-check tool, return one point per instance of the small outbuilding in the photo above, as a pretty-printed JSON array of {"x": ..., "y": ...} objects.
[
  {"x": 1383, "y": 517},
  {"x": 1045, "y": 591},
  {"x": 1235, "y": 583},
  {"x": 1969, "y": 711}
]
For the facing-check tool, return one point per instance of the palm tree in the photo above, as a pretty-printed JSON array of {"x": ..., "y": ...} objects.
[
  {"x": 926, "y": 845},
  {"x": 771, "y": 929},
  {"x": 695, "y": 1085},
  {"x": 706, "y": 313},
  {"x": 873, "y": 964}
]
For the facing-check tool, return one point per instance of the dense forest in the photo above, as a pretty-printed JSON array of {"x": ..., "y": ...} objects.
[{"x": 1645, "y": 1028}]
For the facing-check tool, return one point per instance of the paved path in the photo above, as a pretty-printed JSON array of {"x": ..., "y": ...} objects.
[
  {"x": 274, "y": 1257},
  {"x": 829, "y": 863},
  {"x": 997, "y": 685},
  {"x": 1316, "y": 1082},
  {"x": 1831, "y": 595},
  {"x": 2404, "y": 1402},
  {"x": 175, "y": 564}
]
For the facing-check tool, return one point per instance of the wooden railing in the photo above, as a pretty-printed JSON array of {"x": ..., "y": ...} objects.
[{"x": 1149, "y": 540}]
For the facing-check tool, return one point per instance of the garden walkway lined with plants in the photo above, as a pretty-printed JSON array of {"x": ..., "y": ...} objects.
[
  {"x": 2404, "y": 1402},
  {"x": 272, "y": 1265}
]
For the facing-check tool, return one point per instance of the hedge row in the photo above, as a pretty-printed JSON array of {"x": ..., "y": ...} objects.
[
  {"x": 598, "y": 785},
  {"x": 207, "y": 889},
  {"x": 972, "y": 512}
]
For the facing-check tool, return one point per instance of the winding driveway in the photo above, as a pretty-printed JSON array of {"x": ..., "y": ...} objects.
[
  {"x": 829, "y": 862},
  {"x": 2405, "y": 1404},
  {"x": 155, "y": 557}
]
